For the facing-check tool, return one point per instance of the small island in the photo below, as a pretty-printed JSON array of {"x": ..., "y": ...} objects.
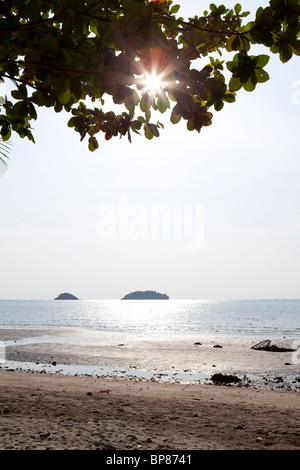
[
  {"x": 145, "y": 295},
  {"x": 66, "y": 296}
]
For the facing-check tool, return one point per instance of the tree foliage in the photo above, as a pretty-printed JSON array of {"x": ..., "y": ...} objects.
[{"x": 58, "y": 53}]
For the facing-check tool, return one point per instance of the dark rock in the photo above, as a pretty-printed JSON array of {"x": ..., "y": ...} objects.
[
  {"x": 225, "y": 379},
  {"x": 217, "y": 346},
  {"x": 109, "y": 447},
  {"x": 197, "y": 344}
]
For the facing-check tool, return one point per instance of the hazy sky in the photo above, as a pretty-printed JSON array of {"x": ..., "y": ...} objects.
[{"x": 88, "y": 223}]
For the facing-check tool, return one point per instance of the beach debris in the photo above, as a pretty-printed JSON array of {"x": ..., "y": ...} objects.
[
  {"x": 224, "y": 379},
  {"x": 278, "y": 379},
  {"x": 266, "y": 345}
]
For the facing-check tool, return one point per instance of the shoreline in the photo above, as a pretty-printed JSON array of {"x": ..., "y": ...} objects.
[
  {"x": 57, "y": 412},
  {"x": 191, "y": 360}
]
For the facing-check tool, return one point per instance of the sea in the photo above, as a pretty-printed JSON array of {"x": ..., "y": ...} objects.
[{"x": 157, "y": 319}]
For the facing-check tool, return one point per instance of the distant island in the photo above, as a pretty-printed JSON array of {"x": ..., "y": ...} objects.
[
  {"x": 147, "y": 294},
  {"x": 66, "y": 296}
]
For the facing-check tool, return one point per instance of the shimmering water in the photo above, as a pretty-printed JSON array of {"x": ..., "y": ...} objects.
[{"x": 157, "y": 319}]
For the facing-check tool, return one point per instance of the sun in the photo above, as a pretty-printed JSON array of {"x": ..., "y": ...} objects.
[
  {"x": 153, "y": 67},
  {"x": 153, "y": 83}
]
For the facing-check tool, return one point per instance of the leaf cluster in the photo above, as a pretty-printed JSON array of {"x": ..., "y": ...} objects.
[{"x": 59, "y": 53}]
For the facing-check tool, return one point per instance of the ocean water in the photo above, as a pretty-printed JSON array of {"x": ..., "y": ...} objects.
[{"x": 157, "y": 319}]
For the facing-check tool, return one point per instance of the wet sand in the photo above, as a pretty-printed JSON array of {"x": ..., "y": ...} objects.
[{"x": 194, "y": 358}]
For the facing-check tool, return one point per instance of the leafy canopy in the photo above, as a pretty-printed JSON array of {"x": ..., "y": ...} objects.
[{"x": 64, "y": 54}]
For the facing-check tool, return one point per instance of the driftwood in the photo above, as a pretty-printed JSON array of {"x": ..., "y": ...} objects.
[{"x": 267, "y": 346}]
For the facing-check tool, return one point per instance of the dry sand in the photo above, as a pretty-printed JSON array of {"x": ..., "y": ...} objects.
[{"x": 41, "y": 411}]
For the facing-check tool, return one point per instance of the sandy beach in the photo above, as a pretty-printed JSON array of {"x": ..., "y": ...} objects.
[
  {"x": 40, "y": 411},
  {"x": 50, "y": 410}
]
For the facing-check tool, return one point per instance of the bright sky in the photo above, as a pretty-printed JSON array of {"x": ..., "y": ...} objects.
[{"x": 235, "y": 187}]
